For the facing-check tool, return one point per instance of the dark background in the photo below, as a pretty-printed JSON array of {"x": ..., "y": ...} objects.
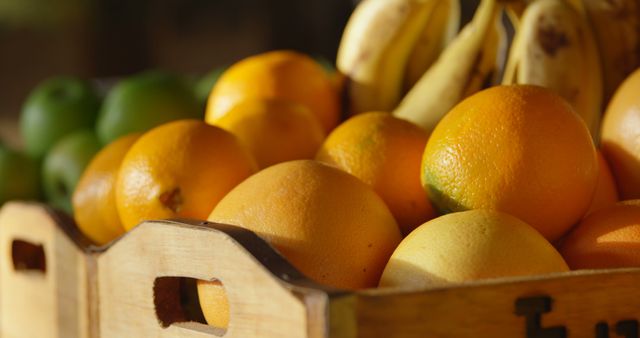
[{"x": 114, "y": 38}]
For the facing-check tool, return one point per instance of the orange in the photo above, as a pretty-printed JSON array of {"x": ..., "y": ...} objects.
[
  {"x": 94, "y": 199},
  {"x": 467, "y": 246},
  {"x": 316, "y": 216},
  {"x": 179, "y": 169},
  {"x": 384, "y": 152},
  {"x": 620, "y": 140},
  {"x": 331, "y": 226},
  {"x": 274, "y": 130},
  {"x": 214, "y": 303},
  {"x": 606, "y": 192},
  {"x": 607, "y": 238},
  {"x": 517, "y": 149},
  {"x": 281, "y": 74}
]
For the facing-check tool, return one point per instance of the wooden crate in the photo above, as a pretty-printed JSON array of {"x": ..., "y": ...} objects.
[
  {"x": 45, "y": 274},
  {"x": 133, "y": 292}
]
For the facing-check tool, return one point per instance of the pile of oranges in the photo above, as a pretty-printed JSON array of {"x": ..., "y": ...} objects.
[{"x": 510, "y": 183}]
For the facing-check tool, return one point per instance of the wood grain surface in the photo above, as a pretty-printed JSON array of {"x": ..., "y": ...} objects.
[
  {"x": 126, "y": 289},
  {"x": 566, "y": 305},
  {"x": 43, "y": 296},
  {"x": 261, "y": 304}
]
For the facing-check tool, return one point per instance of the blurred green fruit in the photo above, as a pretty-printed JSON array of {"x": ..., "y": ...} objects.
[
  {"x": 64, "y": 165},
  {"x": 55, "y": 108},
  {"x": 325, "y": 63},
  {"x": 144, "y": 101},
  {"x": 19, "y": 176},
  {"x": 205, "y": 84}
]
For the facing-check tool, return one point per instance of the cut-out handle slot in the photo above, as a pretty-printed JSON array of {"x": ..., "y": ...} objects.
[
  {"x": 27, "y": 256},
  {"x": 176, "y": 302}
]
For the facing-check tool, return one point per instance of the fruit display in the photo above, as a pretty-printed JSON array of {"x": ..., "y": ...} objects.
[
  {"x": 65, "y": 121},
  {"x": 179, "y": 169},
  {"x": 64, "y": 164},
  {"x": 474, "y": 243},
  {"x": 284, "y": 75},
  {"x": 94, "y": 199},
  {"x": 614, "y": 229},
  {"x": 55, "y": 108},
  {"x": 555, "y": 48},
  {"x": 384, "y": 152},
  {"x": 461, "y": 69},
  {"x": 439, "y": 152},
  {"x": 620, "y": 139},
  {"x": 19, "y": 176},
  {"x": 144, "y": 101},
  {"x": 274, "y": 130},
  {"x": 517, "y": 149}
]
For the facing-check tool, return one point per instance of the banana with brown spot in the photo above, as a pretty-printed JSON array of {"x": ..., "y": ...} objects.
[{"x": 554, "y": 47}]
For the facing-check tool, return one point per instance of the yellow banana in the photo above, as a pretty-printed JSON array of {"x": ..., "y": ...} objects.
[
  {"x": 450, "y": 78},
  {"x": 554, "y": 47},
  {"x": 375, "y": 48},
  {"x": 488, "y": 71},
  {"x": 441, "y": 27},
  {"x": 616, "y": 25},
  {"x": 514, "y": 10}
]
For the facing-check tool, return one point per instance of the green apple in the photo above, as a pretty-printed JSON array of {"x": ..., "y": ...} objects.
[
  {"x": 144, "y": 101},
  {"x": 55, "y": 108},
  {"x": 19, "y": 176},
  {"x": 205, "y": 84},
  {"x": 64, "y": 165}
]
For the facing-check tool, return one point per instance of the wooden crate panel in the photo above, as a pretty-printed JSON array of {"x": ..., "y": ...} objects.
[
  {"x": 261, "y": 305},
  {"x": 53, "y": 284},
  {"x": 44, "y": 288}
]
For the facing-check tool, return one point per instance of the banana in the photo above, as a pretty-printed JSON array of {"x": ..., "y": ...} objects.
[
  {"x": 376, "y": 46},
  {"x": 554, "y": 47},
  {"x": 617, "y": 30},
  {"x": 488, "y": 71},
  {"x": 515, "y": 9},
  {"x": 441, "y": 27},
  {"x": 455, "y": 72}
]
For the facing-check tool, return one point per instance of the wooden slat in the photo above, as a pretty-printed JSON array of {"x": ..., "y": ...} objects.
[
  {"x": 261, "y": 305},
  {"x": 269, "y": 298},
  {"x": 568, "y": 305},
  {"x": 35, "y": 303}
]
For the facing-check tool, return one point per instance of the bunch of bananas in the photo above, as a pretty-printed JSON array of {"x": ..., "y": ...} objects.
[{"x": 411, "y": 58}]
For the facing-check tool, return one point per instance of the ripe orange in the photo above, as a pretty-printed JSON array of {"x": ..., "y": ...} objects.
[
  {"x": 517, "y": 149},
  {"x": 284, "y": 75},
  {"x": 94, "y": 199},
  {"x": 607, "y": 238},
  {"x": 328, "y": 224},
  {"x": 384, "y": 152},
  {"x": 316, "y": 215},
  {"x": 214, "y": 303},
  {"x": 470, "y": 245},
  {"x": 621, "y": 136},
  {"x": 274, "y": 130},
  {"x": 606, "y": 193},
  {"x": 179, "y": 169}
]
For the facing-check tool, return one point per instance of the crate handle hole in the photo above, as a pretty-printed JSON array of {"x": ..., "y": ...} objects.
[
  {"x": 177, "y": 303},
  {"x": 28, "y": 257}
]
